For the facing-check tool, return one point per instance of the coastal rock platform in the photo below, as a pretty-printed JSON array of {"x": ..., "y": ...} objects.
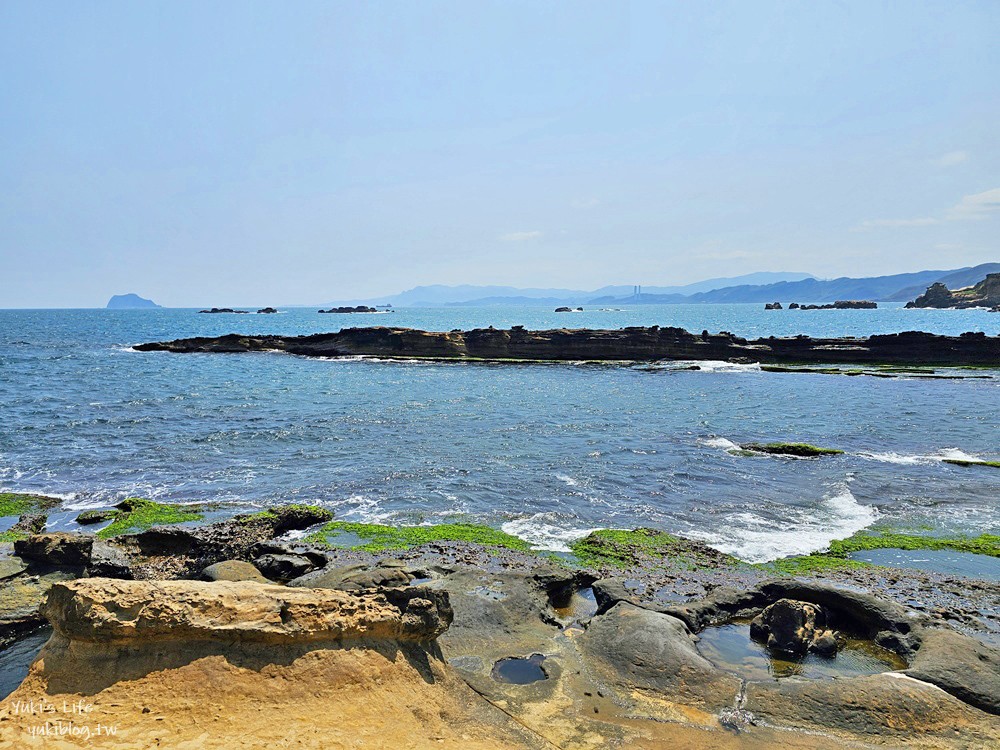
[{"x": 628, "y": 344}]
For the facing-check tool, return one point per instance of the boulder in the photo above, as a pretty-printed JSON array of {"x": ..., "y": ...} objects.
[
  {"x": 283, "y": 567},
  {"x": 356, "y": 577},
  {"x": 794, "y": 627},
  {"x": 641, "y": 650},
  {"x": 960, "y": 665},
  {"x": 56, "y": 550},
  {"x": 232, "y": 570}
]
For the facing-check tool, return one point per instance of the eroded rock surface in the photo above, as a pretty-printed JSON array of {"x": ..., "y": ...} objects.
[{"x": 219, "y": 665}]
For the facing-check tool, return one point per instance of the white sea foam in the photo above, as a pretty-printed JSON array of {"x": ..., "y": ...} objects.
[
  {"x": 755, "y": 538},
  {"x": 721, "y": 442},
  {"x": 542, "y": 534},
  {"x": 955, "y": 454},
  {"x": 895, "y": 458},
  {"x": 570, "y": 482}
]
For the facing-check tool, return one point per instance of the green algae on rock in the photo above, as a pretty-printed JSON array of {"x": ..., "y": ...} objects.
[
  {"x": 810, "y": 565},
  {"x": 376, "y": 537},
  {"x": 16, "y": 503},
  {"x": 139, "y": 514},
  {"x": 619, "y": 548},
  {"x": 984, "y": 544},
  {"x": 964, "y": 462},
  {"x": 801, "y": 450}
]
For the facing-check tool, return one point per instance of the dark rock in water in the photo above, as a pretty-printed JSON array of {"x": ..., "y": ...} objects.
[
  {"x": 794, "y": 306},
  {"x": 344, "y": 310},
  {"x": 284, "y": 567},
  {"x": 984, "y": 294},
  {"x": 850, "y": 304},
  {"x": 801, "y": 450},
  {"x": 30, "y": 523},
  {"x": 130, "y": 302},
  {"x": 57, "y": 550},
  {"x": 266, "y": 311},
  {"x": 628, "y": 344},
  {"x": 96, "y": 516},
  {"x": 794, "y": 627},
  {"x": 773, "y": 306},
  {"x": 564, "y": 309},
  {"x": 232, "y": 570},
  {"x": 216, "y": 310}
]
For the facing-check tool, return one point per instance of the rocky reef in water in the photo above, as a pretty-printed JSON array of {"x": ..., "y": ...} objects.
[
  {"x": 984, "y": 294},
  {"x": 626, "y": 344}
]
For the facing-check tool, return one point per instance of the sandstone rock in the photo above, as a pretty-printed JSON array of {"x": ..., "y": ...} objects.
[
  {"x": 56, "y": 550},
  {"x": 108, "y": 610},
  {"x": 190, "y": 664},
  {"x": 960, "y": 665},
  {"x": 643, "y": 650},
  {"x": 233, "y": 570}
]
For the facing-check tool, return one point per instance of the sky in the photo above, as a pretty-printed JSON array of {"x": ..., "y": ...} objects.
[{"x": 233, "y": 153}]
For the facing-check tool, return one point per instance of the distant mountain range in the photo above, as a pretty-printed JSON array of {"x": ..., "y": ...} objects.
[{"x": 755, "y": 287}]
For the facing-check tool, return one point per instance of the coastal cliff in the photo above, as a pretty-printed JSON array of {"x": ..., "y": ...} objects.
[
  {"x": 627, "y": 344},
  {"x": 984, "y": 294}
]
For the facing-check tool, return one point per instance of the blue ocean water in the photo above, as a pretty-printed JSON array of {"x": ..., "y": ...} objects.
[{"x": 547, "y": 452}]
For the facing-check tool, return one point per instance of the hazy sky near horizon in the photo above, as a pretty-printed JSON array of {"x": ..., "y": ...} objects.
[{"x": 233, "y": 153}]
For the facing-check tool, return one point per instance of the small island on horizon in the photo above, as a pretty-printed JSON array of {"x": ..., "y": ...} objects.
[{"x": 130, "y": 301}]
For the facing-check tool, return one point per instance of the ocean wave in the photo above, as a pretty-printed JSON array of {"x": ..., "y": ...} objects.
[
  {"x": 754, "y": 538},
  {"x": 542, "y": 532},
  {"x": 945, "y": 454}
]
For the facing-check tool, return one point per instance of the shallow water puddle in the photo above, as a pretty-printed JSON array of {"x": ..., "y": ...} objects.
[
  {"x": 14, "y": 661},
  {"x": 582, "y": 604},
  {"x": 947, "y": 562},
  {"x": 520, "y": 670},
  {"x": 730, "y": 647}
]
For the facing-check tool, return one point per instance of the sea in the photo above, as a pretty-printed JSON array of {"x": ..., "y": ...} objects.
[{"x": 547, "y": 452}]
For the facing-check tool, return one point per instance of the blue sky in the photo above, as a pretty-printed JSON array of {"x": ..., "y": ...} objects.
[{"x": 274, "y": 153}]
